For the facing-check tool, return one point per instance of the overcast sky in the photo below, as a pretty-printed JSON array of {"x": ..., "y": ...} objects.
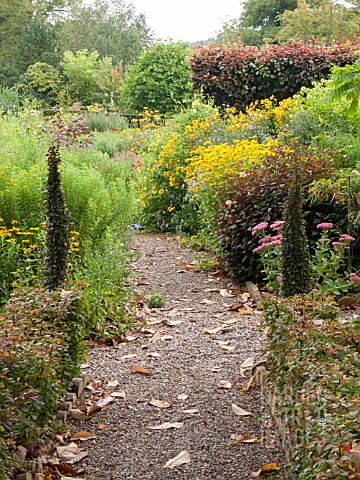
[{"x": 187, "y": 20}]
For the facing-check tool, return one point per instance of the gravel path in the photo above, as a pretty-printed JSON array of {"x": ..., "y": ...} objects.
[{"x": 187, "y": 366}]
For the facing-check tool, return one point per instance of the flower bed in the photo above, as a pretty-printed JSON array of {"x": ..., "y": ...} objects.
[{"x": 314, "y": 360}]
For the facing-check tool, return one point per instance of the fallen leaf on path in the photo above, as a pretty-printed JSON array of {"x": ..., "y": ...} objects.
[
  {"x": 93, "y": 409},
  {"x": 154, "y": 321},
  {"x": 70, "y": 453},
  {"x": 224, "y": 346},
  {"x": 153, "y": 355},
  {"x": 245, "y": 389},
  {"x": 182, "y": 397},
  {"x": 83, "y": 435},
  {"x": 212, "y": 331},
  {"x": 167, "y": 425},
  {"x": 78, "y": 414},
  {"x": 225, "y": 293},
  {"x": 231, "y": 321},
  {"x": 268, "y": 468},
  {"x": 166, "y": 337},
  {"x": 191, "y": 411},
  {"x": 113, "y": 383},
  {"x": 93, "y": 386},
  {"x": 140, "y": 369},
  {"x": 249, "y": 363},
  {"x": 147, "y": 331},
  {"x": 208, "y": 290},
  {"x": 224, "y": 384},
  {"x": 176, "y": 312},
  {"x": 120, "y": 394},
  {"x": 246, "y": 439},
  {"x": 172, "y": 323},
  {"x": 105, "y": 401},
  {"x": 183, "y": 457},
  {"x": 239, "y": 411},
  {"x": 245, "y": 312},
  {"x": 128, "y": 357},
  {"x": 129, "y": 338},
  {"x": 243, "y": 297},
  {"x": 159, "y": 403},
  {"x": 156, "y": 337},
  {"x": 207, "y": 301}
]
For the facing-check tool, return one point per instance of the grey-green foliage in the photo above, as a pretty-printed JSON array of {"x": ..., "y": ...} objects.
[
  {"x": 295, "y": 250},
  {"x": 160, "y": 79}
]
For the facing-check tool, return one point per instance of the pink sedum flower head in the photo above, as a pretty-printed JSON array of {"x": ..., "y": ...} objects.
[
  {"x": 338, "y": 244},
  {"x": 259, "y": 227},
  {"x": 345, "y": 236},
  {"x": 277, "y": 225},
  {"x": 354, "y": 278},
  {"x": 325, "y": 225}
]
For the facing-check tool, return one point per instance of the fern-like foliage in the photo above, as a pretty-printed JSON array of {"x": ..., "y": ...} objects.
[{"x": 345, "y": 82}]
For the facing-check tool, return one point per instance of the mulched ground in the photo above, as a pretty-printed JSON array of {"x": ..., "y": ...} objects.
[{"x": 187, "y": 366}]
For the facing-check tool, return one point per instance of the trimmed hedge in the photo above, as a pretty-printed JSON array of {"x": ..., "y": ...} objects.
[{"x": 236, "y": 75}]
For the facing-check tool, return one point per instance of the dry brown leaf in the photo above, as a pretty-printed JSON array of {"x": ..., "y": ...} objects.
[
  {"x": 245, "y": 312},
  {"x": 140, "y": 369},
  {"x": 231, "y": 321},
  {"x": 243, "y": 297},
  {"x": 172, "y": 323},
  {"x": 113, "y": 383},
  {"x": 167, "y": 425},
  {"x": 166, "y": 337},
  {"x": 104, "y": 401},
  {"x": 246, "y": 439},
  {"x": 224, "y": 384},
  {"x": 83, "y": 435},
  {"x": 191, "y": 411},
  {"x": 159, "y": 403},
  {"x": 182, "y": 397},
  {"x": 93, "y": 409},
  {"x": 120, "y": 394},
  {"x": 156, "y": 337},
  {"x": 154, "y": 321},
  {"x": 176, "y": 312},
  {"x": 153, "y": 355},
  {"x": 207, "y": 301},
  {"x": 245, "y": 389},
  {"x": 268, "y": 468},
  {"x": 358, "y": 198},
  {"x": 93, "y": 386},
  {"x": 224, "y": 346},
  {"x": 129, "y": 338},
  {"x": 78, "y": 414},
  {"x": 212, "y": 331},
  {"x": 208, "y": 290},
  {"x": 128, "y": 357},
  {"x": 225, "y": 293},
  {"x": 249, "y": 363},
  {"x": 239, "y": 411},
  {"x": 183, "y": 457},
  {"x": 70, "y": 453}
]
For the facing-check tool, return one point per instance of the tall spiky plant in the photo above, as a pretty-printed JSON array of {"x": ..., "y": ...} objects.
[
  {"x": 295, "y": 250},
  {"x": 57, "y": 224}
]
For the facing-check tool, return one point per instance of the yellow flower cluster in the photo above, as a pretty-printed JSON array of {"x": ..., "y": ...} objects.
[
  {"x": 213, "y": 164},
  {"x": 14, "y": 235},
  {"x": 259, "y": 112}
]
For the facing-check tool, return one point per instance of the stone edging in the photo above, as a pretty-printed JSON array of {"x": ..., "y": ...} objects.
[
  {"x": 78, "y": 386},
  {"x": 269, "y": 393}
]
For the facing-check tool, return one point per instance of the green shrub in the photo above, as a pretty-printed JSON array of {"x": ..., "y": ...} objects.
[
  {"x": 314, "y": 361},
  {"x": 102, "y": 122},
  {"x": 236, "y": 75},
  {"x": 109, "y": 143},
  {"x": 41, "y": 344},
  {"x": 259, "y": 196},
  {"x": 159, "y": 80}
]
